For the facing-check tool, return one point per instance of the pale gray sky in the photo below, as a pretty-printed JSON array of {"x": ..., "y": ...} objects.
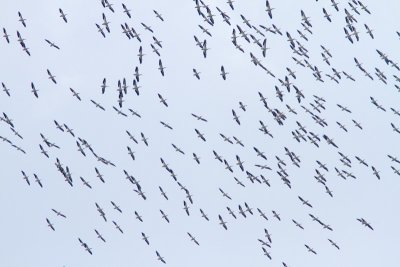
[{"x": 85, "y": 58}]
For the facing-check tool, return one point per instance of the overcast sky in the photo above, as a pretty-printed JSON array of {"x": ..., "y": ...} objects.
[{"x": 85, "y": 58}]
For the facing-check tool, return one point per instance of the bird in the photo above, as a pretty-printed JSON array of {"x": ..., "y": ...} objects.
[
  {"x": 310, "y": 249},
  {"x": 158, "y": 15},
  {"x": 145, "y": 238},
  {"x": 164, "y": 216},
  {"x": 163, "y": 193},
  {"x": 159, "y": 257},
  {"x": 75, "y": 94},
  {"x": 63, "y": 15},
  {"x": 21, "y": 19},
  {"x": 193, "y": 239},
  {"x": 117, "y": 227},
  {"x": 147, "y": 27},
  {"x": 276, "y": 215},
  {"x": 51, "y": 76},
  {"x": 333, "y": 243},
  {"x": 100, "y": 30},
  {"x": 126, "y": 10},
  {"x": 369, "y": 31},
  {"x": 163, "y": 100},
  {"x": 106, "y": 23},
  {"x": 116, "y": 207},
  {"x": 266, "y": 253},
  {"x": 326, "y": 15},
  {"x": 235, "y": 117},
  {"x": 305, "y": 202},
  {"x": 83, "y": 244},
  {"x": 49, "y": 224},
  {"x": 6, "y": 36},
  {"x": 222, "y": 222},
  {"x": 204, "y": 215},
  {"x": 225, "y": 194},
  {"x": 269, "y": 9},
  {"x": 52, "y": 44},
  {"x": 161, "y": 67},
  {"x": 199, "y": 117},
  {"x": 196, "y": 74},
  {"x": 99, "y": 236},
  {"x": 365, "y": 223},
  {"x": 34, "y": 90},
  {"x": 140, "y": 55},
  {"x": 223, "y": 73},
  {"x": 58, "y": 213}
]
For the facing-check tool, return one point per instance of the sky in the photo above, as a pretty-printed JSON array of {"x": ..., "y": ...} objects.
[{"x": 85, "y": 58}]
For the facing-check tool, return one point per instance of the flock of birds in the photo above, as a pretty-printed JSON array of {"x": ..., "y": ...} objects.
[{"x": 246, "y": 38}]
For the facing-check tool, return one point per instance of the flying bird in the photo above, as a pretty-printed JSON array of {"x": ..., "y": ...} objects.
[{"x": 63, "y": 15}]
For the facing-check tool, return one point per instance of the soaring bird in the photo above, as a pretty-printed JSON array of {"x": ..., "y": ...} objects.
[
  {"x": 49, "y": 224},
  {"x": 126, "y": 10},
  {"x": 58, "y": 213},
  {"x": 63, "y": 15},
  {"x": 51, "y": 76},
  {"x": 222, "y": 222},
  {"x": 34, "y": 90},
  {"x": 161, "y": 67},
  {"x": 158, "y": 15},
  {"x": 21, "y": 19},
  {"x": 223, "y": 73},
  {"x": 159, "y": 257}
]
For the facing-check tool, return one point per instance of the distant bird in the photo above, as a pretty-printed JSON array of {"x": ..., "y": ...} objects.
[
  {"x": 196, "y": 74},
  {"x": 266, "y": 253},
  {"x": 333, "y": 244},
  {"x": 126, "y": 10},
  {"x": 34, "y": 90},
  {"x": 83, "y": 244},
  {"x": 58, "y": 213},
  {"x": 310, "y": 249},
  {"x": 276, "y": 215},
  {"x": 204, "y": 215},
  {"x": 222, "y": 222},
  {"x": 158, "y": 15},
  {"x": 145, "y": 238},
  {"x": 6, "y": 36},
  {"x": 21, "y": 19},
  {"x": 163, "y": 193},
  {"x": 269, "y": 9},
  {"x": 146, "y": 27},
  {"x": 223, "y": 73},
  {"x": 365, "y": 223},
  {"x": 305, "y": 202},
  {"x": 159, "y": 257},
  {"x": 164, "y": 216},
  {"x": 116, "y": 207},
  {"x": 106, "y": 23},
  {"x": 99, "y": 236},
  {"x": 326, "y": 15},
  {"x": 161, "y": 67},
  {"x": 51, "y": 76},
  {"x": 193, "y": 239},
  {"x": 100, "y": 30},
  {"x": 199, "y": 117},
  {"x": 140, "y": 55},
  {"x": 163, "y": 100},
  {"x": 49, "y": 224},
  {"x": 52, "y": 44},
  {"x": 225, "y": 194},
  {"x": 117, "y": 227},
  {"x": 235, "y": 117},
  {"x": 63, "y": 15},
  {"x": 369, "y": 31}
]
